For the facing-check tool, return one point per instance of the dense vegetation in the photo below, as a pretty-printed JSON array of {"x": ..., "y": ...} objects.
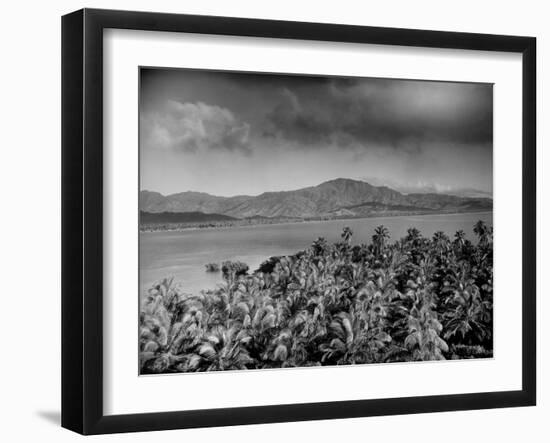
[
  {"x": 173, "y": 221},
  {"x": 331, "y": 304},
  {"x": 212, "y": 267}
]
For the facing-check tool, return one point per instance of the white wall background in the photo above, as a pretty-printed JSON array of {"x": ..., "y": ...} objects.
[{"x": 30, "y": 218}]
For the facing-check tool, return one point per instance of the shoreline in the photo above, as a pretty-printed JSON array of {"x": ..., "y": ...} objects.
[{"x": 146, "y": 230}]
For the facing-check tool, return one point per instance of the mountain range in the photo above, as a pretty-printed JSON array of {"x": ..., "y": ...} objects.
[
  {"x": 428, "y": 188},
  {"x": 335, "y": 198}
]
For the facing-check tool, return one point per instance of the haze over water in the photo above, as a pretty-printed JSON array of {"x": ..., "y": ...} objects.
[{"x": 183, "y": 254}]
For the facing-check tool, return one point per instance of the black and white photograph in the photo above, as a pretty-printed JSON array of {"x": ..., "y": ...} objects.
[
  {"x": 275, "y": 221},
  {"x": 293, "y": 221}
]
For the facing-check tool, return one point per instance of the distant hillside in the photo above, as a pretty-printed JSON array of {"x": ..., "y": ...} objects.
[
  {"x": 340, "y": 197},
  {"x": 471, "y": 193},
  {"x": 187, "y": 202},
  {"x": 180, "y": 217}
]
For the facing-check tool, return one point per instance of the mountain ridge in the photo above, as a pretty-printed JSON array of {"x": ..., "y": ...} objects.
[{"x": 330, "y": 198}]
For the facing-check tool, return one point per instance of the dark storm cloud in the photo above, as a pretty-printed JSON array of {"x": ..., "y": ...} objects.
[
  {"x": 308, "y": 111},
  {"x": 389, "y": 113}
]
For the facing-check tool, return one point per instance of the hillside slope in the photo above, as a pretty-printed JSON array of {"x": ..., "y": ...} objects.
[{"x": 332, "y": 198}]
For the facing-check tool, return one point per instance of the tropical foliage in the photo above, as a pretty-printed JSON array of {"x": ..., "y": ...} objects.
[
  {"x": 212, "y": 267},
  {"x": 415, "y": 299}
]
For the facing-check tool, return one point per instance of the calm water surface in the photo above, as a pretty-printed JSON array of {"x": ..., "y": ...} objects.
[{"x": 183, "y": 254}]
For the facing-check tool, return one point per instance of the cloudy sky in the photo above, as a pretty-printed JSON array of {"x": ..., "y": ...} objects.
[{"x": 243, "y": 133}]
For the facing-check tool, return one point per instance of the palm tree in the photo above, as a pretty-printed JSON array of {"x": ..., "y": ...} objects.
[
  {"x": 346, "y": 234},
  {"x": 319, "y": 246},
  {"x": 467, "y": 319},
  {"x": 460, "y": 237},
  {"x": 482, "y": 231},
  {"x": 441, "y": 242},
  {"x": 223, "y": 349},
  {"x": 381, "y": 234},
  {"x": 413, "y": 235},
  {"x": 460, "y": 242}
]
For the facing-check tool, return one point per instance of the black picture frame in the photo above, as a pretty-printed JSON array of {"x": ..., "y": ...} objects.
[{"x": 82, "y": 220}]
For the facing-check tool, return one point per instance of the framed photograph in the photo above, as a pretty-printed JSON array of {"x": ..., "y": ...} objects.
[{"x": 269, "y": 221}]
